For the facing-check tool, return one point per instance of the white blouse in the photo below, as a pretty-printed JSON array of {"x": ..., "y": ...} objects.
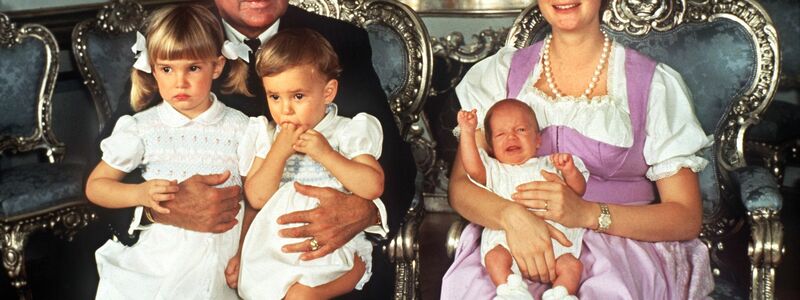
[{"x": 673, "y": 132}]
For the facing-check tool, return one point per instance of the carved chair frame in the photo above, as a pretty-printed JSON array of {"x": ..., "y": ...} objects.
[
  {"x": 406, "y": 103},
  {"x": 766, "y": 246},
  {"x": 117, "y": 17},
  {"x": 64, "y": 220}
]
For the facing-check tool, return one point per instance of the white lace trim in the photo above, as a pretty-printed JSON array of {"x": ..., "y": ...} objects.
[{"x": 671, "y": 166}]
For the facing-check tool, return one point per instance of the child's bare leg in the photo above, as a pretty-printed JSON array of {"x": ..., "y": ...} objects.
[
  {"x": 339, "y": 286},
  {"x": 498, "y": 264},
  {"x": 568, "y": 273}
]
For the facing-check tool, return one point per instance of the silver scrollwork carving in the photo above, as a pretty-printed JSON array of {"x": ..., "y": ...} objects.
[
  {"x": 43, "y": 136},
  {"x": 117, "y": 17}
]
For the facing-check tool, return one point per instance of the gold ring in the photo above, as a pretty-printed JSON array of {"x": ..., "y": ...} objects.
[
  {"x": 314, "y": 244},
  {"x": 546, "y": 203}
]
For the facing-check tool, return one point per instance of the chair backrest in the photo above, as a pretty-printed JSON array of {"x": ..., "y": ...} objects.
[
  {"x": 101, "y": 48},
  {"x": 28, "y": 69},
  {"x": 401, "y": 51}
]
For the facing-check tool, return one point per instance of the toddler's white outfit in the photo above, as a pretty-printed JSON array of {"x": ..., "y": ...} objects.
[
  {"x": 266, "y": 271},
  {"x": 170, "y": 262}
]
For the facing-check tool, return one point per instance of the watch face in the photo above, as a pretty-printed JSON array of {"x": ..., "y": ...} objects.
[{"x": 605, "y": 220}]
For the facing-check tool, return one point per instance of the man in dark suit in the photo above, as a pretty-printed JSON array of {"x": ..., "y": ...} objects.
[{"x": 201, "y": 207}]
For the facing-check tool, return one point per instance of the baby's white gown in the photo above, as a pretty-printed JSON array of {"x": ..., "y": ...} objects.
[
  {"x": 267, "y": 272},
  {"x": 503, "y": 180}
]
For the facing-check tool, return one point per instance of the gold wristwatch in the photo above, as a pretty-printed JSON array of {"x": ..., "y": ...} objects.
[{"x": 604, "y": 220}]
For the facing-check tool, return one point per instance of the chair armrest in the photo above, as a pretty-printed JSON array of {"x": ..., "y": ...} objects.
[{"x": 758, "y": 188}]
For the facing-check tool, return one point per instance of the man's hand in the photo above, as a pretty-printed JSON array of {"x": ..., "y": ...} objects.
[
  {"x": 337, "y": 219},
  {"x": 199, "y": 206}
]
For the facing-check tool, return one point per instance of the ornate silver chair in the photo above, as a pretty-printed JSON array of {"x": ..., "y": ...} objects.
[
  {"x": 101, "y": 50},
  {"x": 727, "y": 53},
  {"x": 402, "y": 57},
  {"x": 35, "y": 193}
]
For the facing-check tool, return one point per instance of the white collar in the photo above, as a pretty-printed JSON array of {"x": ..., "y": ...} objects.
[
  {"x": 234, "y": 35},
  {"x": 173, "y": 118}
]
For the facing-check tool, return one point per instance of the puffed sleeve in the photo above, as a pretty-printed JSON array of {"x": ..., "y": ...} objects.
[
  {"x": 674, "y": 134},
  {"x": 123, "y": 149},
  {"x": 256, "y": 141},
  {"x": 485, "y": 83},
  {"x": 361, "y": 135}
]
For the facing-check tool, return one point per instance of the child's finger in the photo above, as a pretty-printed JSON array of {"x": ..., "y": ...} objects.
[
  {"x": 159, "y": 197},
  {"x": 159, "y": 209}
]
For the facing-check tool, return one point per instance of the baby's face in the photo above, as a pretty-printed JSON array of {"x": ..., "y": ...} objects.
[
  {"x": 515, "y": 137},
  {"x": 299, "y": 96}
]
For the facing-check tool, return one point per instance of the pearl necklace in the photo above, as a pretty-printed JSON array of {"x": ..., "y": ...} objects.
[{"x": 595, "y": 77}]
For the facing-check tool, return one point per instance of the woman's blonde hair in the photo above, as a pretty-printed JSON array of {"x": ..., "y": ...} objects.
[
  {"x": 296, "y": 47},
  {"x": 183, "y": 32}
]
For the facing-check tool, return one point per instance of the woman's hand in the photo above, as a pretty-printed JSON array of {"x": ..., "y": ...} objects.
[
  {"x": 555, "y": 201},
  {"x": 529, "y": 241}
]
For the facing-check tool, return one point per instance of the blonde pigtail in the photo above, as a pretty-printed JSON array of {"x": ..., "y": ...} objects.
[
  {"x": 143, "y": 90},
  {"x": 236, "y": 81}
]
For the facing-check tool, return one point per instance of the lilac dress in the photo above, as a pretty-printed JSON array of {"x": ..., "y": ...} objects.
[{"x": 613, "y": 267}]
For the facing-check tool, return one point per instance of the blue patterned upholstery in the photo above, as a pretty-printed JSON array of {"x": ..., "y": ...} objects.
[
  {"x": 112, "y": 59},
  {"x": 726, "y": 290},
  {"x": 23, "y": 68},
  {"x": 759, "y": 188},
  {"x": 709, "y": 186},
  {"x": 388, "y": 57},
  {"x": 716, "y": 60},
  {"x": 31, "y": 188}
]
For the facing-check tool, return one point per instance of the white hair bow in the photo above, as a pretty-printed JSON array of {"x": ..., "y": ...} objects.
[
  {"x": 142, "y": 62},
  {"x": 233, "y": 51}
]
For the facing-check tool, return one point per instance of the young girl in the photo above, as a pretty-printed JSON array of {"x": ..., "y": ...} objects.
[
  {"x": 180, "y": 129},
  {"x": 512, "y": 135},
  {"x": 306, "y": 142}
]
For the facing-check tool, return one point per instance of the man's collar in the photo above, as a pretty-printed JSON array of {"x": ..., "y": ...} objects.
[{"x": 234, "y": 35}]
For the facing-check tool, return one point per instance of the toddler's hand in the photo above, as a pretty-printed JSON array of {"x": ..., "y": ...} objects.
[
  {"x": 468, "y": 121},
  {"x": 563, "y": 162},
  {"x": 232, "y": 271},
  {"x": 285, "y": 139},
  {"x": 313, "y": 144},
  {"x": 157, "y": 190}
]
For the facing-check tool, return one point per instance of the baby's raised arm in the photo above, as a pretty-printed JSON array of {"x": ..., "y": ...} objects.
[
  {"x": 361, "y": 175},
  {"x": 470, "y": 158},
  {"x": 105, "y": 188},
  {"x": 572, "y": 176}
]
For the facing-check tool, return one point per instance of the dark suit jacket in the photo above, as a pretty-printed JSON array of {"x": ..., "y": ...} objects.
[{"x": 359, "y": 91}]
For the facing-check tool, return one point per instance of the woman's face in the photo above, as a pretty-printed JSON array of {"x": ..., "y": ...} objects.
[{"x": 571, "y": 15}]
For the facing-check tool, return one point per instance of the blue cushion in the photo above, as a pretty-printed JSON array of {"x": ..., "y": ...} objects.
[
  {"x": 758, "y": 188},
  {"x": 388, "y": 57},
  {"x": 709, "y": 187},
  {"x": 34, "y": 187},
  {"x": 112, "y": 57},
  {"x": 23, "y": 68}
]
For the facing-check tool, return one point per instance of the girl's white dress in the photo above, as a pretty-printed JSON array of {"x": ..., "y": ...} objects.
[
  {"x": 170, "y": 262},
  {"x": 503, "y": 180},
  {"x": 267, "y": 272}
]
